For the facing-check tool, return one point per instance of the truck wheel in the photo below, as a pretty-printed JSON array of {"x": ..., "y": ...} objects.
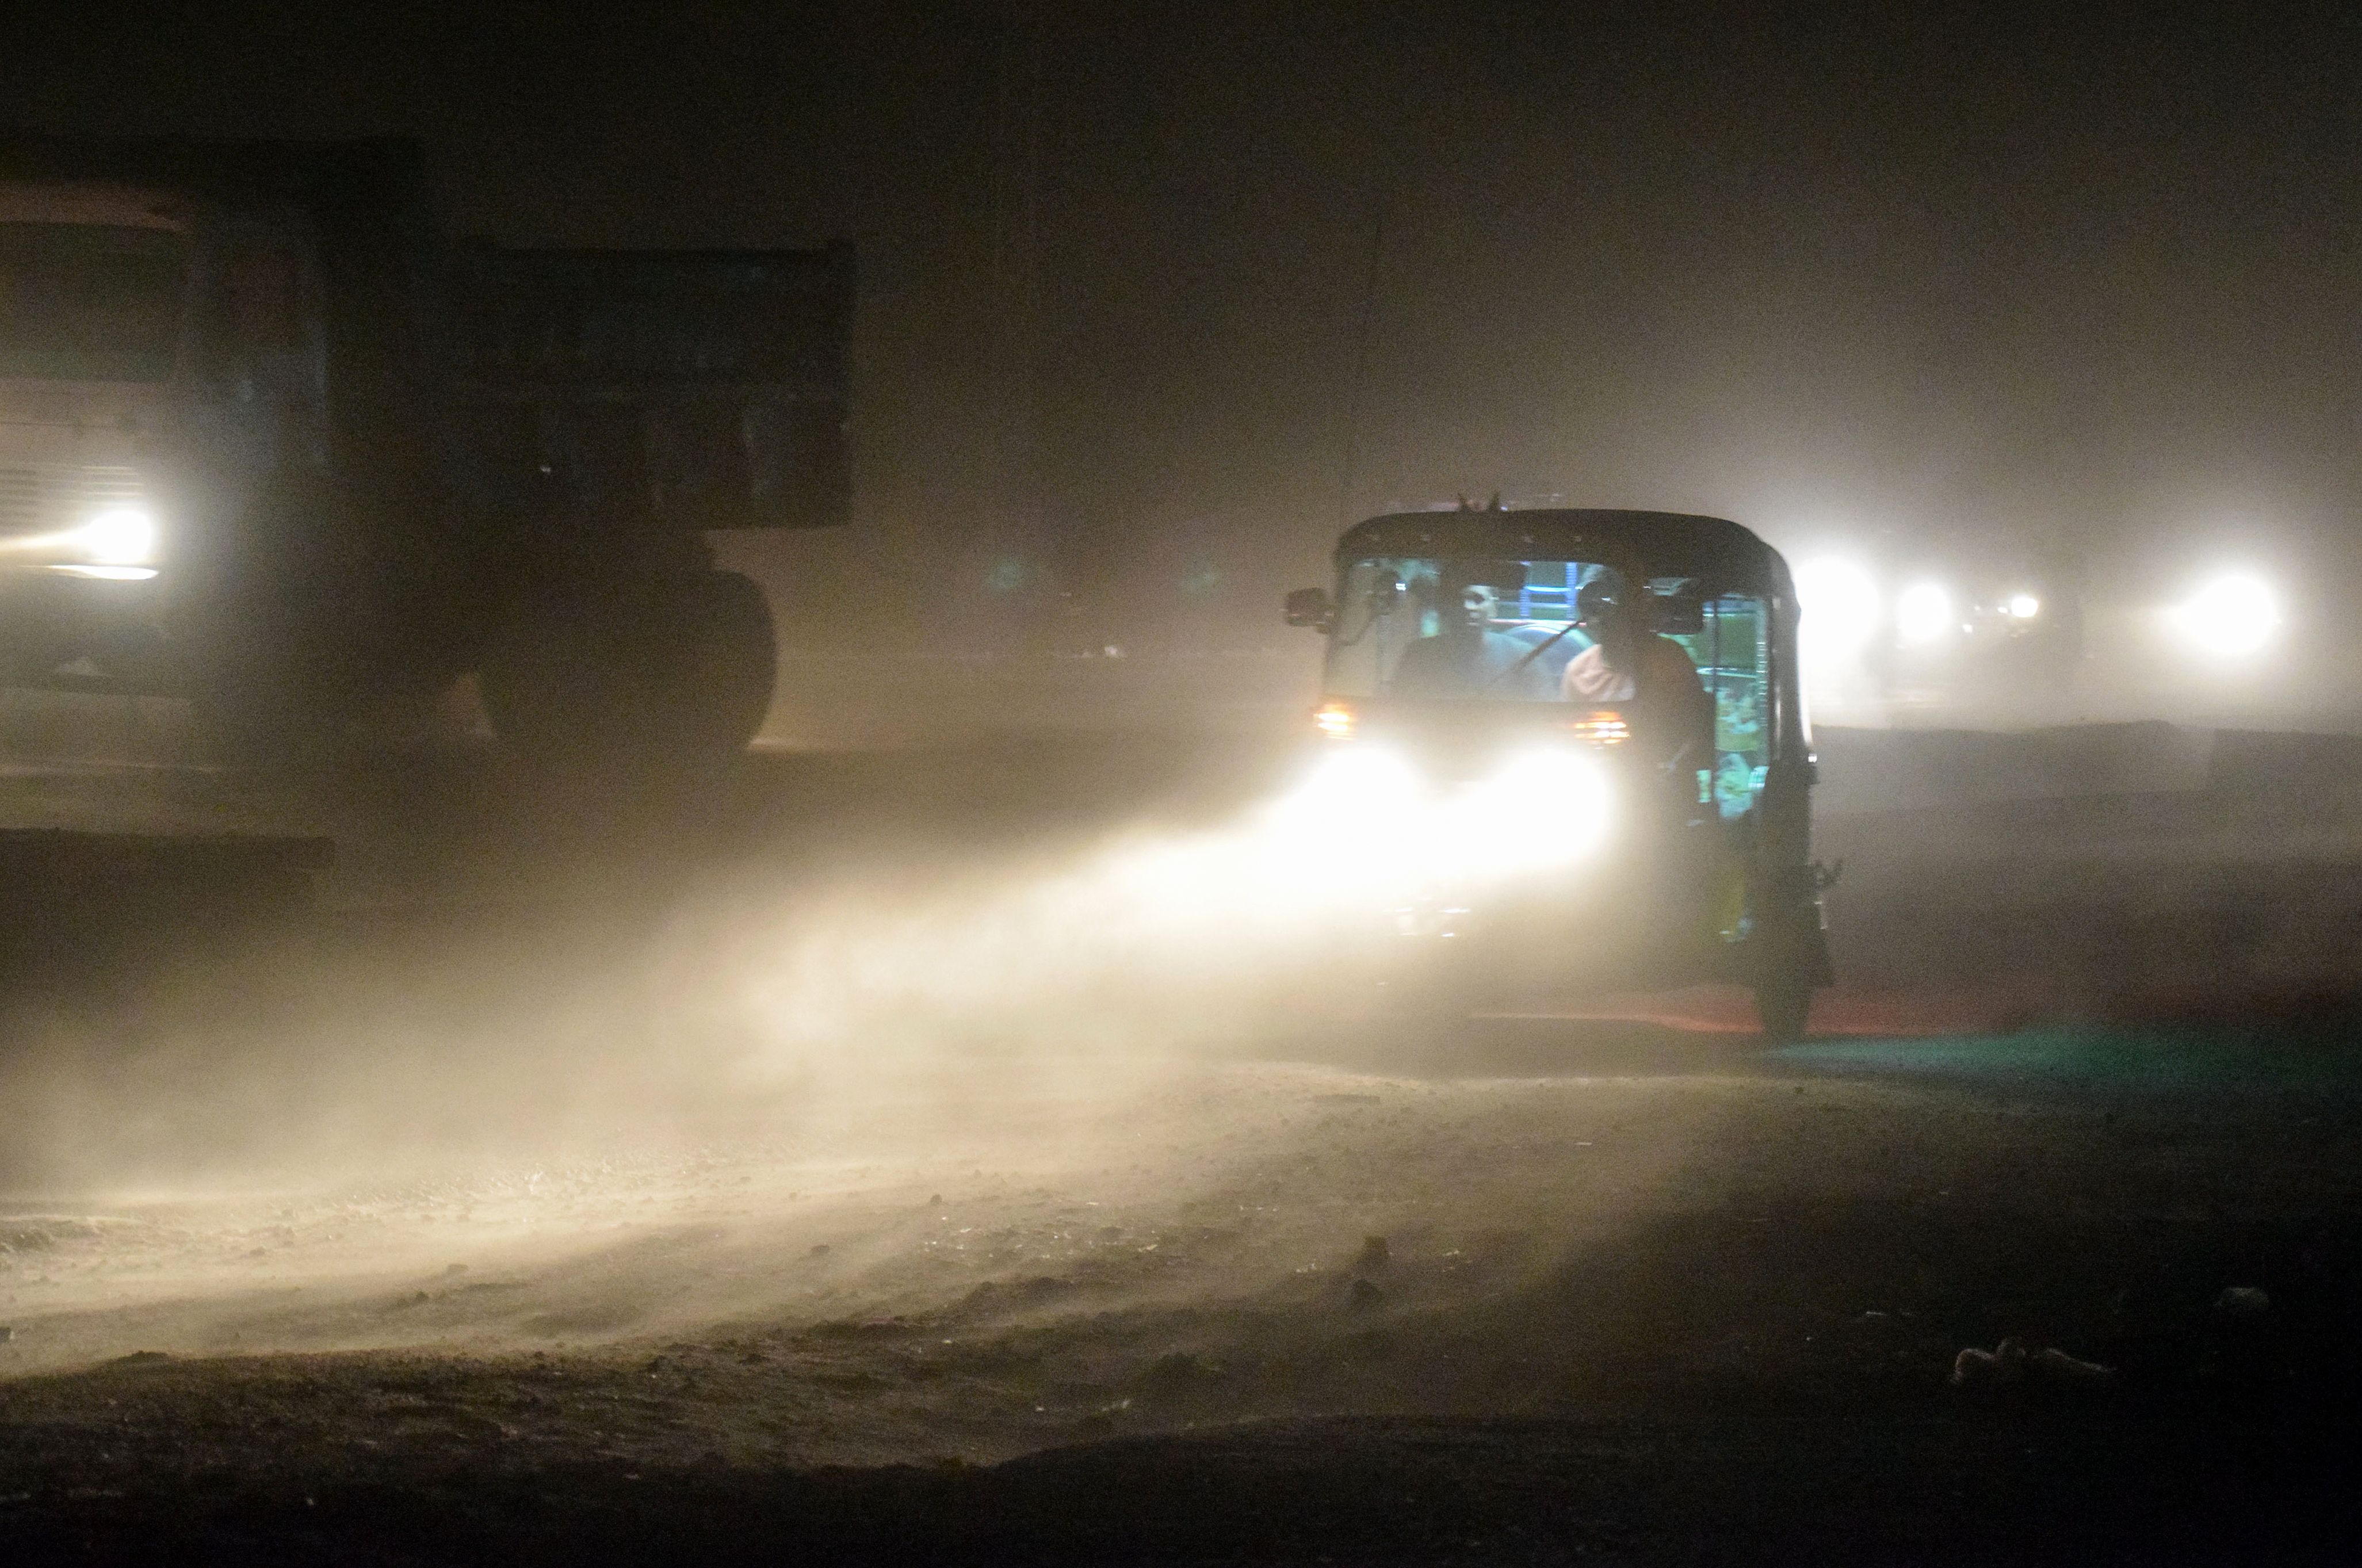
[{"x": 663, "y": 680}]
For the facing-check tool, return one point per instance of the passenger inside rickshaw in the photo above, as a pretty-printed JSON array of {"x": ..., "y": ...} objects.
[
  {"x": 1465, "y": 657},
  {"x": 1576, "y": 632}
]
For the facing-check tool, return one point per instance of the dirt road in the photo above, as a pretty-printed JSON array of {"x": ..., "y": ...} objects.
[
  {"x": 1576, "y": 1309},
  {"x": 474, "y": 1272}
]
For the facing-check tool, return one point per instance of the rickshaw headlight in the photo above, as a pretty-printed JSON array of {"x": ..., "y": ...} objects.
[
  {"x": 1545, "y": 805},
  {"x": 1353, "y": 788}
]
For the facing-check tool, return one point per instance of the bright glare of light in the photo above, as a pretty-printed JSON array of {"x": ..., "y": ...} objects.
[
  {"x": 1163, "y": 936},
  {"x": 2233, "y": 613},
  {"x": 1840, "y": 604},
  {"x": 2021, "y": 607},
  {"x": 1544, "y": 807},
  {"x": 1354, "y": 791},
  {"x": 123, "y": 535},
  {"x": 1923, "y": 613},
  {"x": 1364, "y": 815}
]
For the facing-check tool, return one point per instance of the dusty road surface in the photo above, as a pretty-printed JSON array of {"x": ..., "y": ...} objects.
[{"x": 758, "y": 1192}]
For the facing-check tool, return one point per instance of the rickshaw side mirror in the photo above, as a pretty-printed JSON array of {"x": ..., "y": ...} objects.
[{"x": 1310, "y": 607}]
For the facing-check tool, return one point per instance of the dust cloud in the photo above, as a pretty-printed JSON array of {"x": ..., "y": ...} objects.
[
  {"x": 867, "y": 1072},
  {"x": 763, "y": 1062}
]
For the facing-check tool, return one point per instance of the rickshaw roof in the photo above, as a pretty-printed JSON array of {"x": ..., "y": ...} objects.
[{"x": 1666, "y": 544}]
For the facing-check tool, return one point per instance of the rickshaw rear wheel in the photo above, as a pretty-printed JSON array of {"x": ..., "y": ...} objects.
[{"x": 1783, "y": 1007}]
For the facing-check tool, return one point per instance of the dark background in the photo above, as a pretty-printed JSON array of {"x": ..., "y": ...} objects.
[
  {"x": 1155, "y": 299},
  {"x": 1157, "y": 296}
]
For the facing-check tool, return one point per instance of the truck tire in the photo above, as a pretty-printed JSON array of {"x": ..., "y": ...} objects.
[{"x": 658, "y": 681}]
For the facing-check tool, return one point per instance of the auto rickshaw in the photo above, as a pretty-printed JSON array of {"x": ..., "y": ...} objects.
[{"x": 1580, "y": 738}]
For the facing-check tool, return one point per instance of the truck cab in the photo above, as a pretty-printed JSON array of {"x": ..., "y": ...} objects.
[
  {"x": 154, "y": 361},
  {"x": 1592, "y": 723},
  {"x": 271, "y": 441}
]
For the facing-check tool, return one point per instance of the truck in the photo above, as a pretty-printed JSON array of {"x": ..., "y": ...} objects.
[{"x": 274, "y": 441}]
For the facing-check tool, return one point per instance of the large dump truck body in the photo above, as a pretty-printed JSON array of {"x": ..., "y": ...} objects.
[{"x": 732, "y": 364}]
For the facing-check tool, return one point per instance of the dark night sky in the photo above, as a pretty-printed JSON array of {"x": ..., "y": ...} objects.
[{"x": 2087, "y": 276}]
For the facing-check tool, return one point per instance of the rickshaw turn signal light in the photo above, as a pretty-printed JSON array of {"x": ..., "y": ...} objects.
[
  {"x": 1336, "y": 720},
  {"x": 1603, "y": 728}
]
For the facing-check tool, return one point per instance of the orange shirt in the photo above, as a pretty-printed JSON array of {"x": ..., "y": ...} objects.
[{"x": 1669, "y": 704}]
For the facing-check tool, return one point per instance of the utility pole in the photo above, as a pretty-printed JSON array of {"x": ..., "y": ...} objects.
[{"x": 1015, "y": 283}]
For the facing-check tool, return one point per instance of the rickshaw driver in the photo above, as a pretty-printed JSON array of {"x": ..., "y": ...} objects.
[{"x": 1645, "y": 673}]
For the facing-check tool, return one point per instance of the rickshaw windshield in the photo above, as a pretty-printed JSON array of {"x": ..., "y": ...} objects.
[{"x": 1462, "y": 631}]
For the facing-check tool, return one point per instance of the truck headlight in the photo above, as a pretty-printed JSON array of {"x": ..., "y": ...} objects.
[{"x": 119, "y": 536}]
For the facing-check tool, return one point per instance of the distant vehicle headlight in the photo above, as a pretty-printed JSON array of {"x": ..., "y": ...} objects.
[
  {"x": 1923, "y": 613},
  {"x": 2233, "y": 613},
  {"x": 119, "y": 536},
  {"x": 1841, "y": 608},
  {"x": 2021, "y": 607}
]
